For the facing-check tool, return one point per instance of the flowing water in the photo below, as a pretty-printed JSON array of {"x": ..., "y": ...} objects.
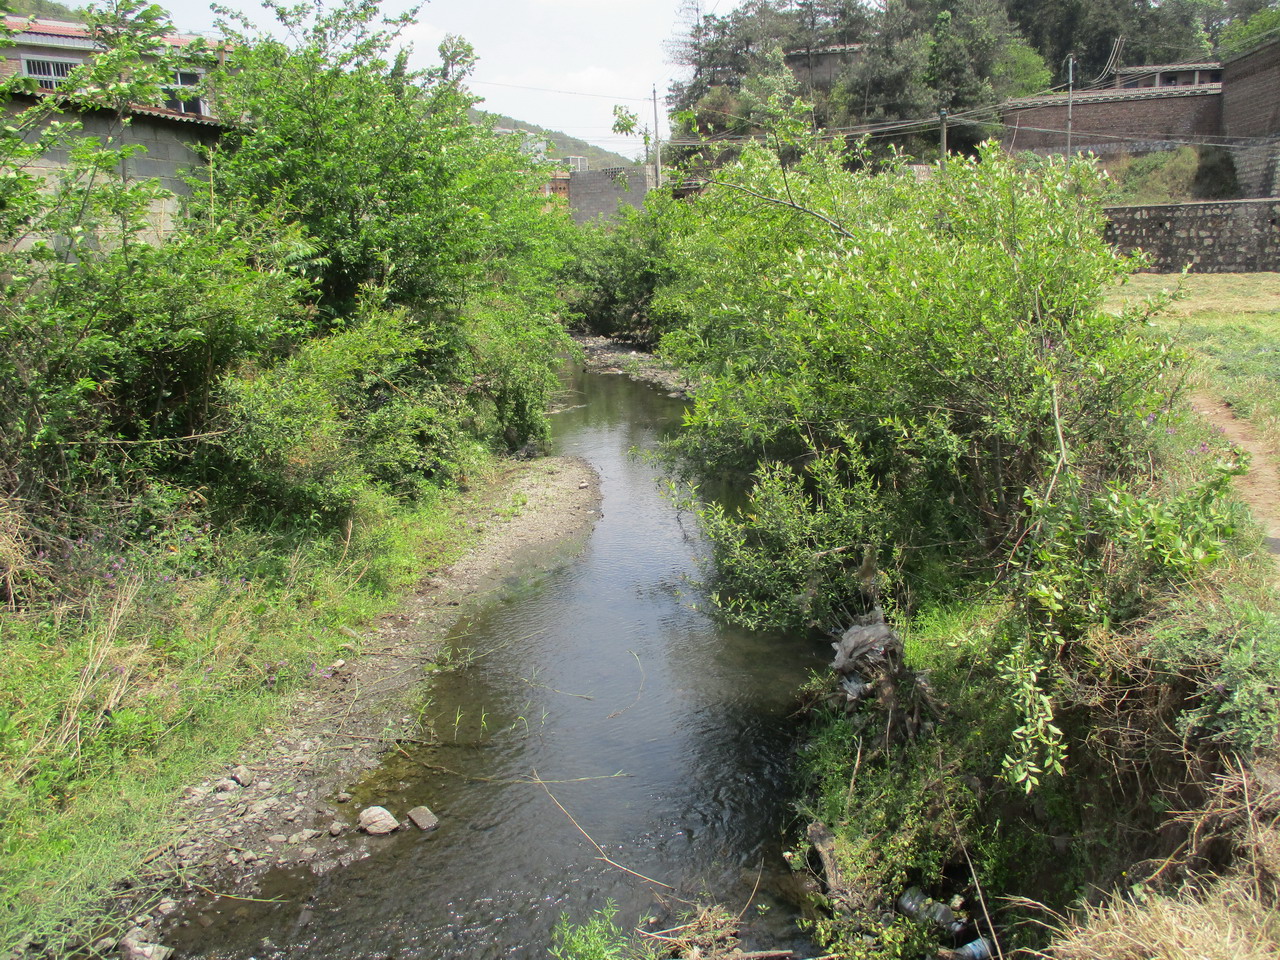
[{"x": 664, "y": 735}]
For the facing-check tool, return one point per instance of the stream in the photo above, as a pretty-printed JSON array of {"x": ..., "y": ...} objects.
[{"x": 666, "y": 736}]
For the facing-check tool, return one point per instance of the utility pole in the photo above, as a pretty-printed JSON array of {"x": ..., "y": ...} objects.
[
  {"x": 657, "y": 142},
  {"x": 942, "y": 116},
  {"x": 1071, "y": 86}
]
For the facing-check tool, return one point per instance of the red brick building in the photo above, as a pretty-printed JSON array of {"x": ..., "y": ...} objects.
[{"x": 1235, "y": 104}]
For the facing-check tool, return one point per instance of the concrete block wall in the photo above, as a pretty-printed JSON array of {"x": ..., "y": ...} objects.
[
  {"x": 1225, "y": 236},
  {"x": 597, "y": 193},
  {"x": 169, "y": 155}
]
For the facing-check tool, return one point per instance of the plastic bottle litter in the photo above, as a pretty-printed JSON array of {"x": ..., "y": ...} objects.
[
  {"x": 916, "y": 905},
  {"x": 980, "y": 949}
]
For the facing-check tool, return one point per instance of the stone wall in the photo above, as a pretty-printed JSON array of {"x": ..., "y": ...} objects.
[
  {"x": 597, "y": 193},
  {"x": 1225, "y": 236}
]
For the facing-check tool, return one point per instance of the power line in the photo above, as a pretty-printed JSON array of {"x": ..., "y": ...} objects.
[{"x": 567, "y": 93}]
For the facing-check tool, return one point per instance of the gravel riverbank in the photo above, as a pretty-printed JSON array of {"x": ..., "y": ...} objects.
[{"x": 283, "y": 804}]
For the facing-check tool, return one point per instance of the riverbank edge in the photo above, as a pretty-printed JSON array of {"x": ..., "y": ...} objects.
[
  {"x": 617, "y": 357},
  {"x": 282, "y": 804}
]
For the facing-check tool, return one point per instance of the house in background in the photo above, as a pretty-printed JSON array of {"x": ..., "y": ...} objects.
[
  {"x": 49, "y": 50},
  {"x": 1234, "y": 105}
]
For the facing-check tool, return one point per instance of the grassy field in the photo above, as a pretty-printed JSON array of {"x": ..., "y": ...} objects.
[
  {"x": 1230, "y": 323},
  {"x": 147, "y": 681}
]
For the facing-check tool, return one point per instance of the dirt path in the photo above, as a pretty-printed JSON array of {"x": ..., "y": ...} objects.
[
  {"x": 284, "y": 803},
  {"x": 1259, "y": 488}
]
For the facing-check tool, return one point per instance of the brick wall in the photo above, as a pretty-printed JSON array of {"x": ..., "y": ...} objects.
[
  {"x": 1118, "y": 124},
  {"x": 597, "y": 193},
  {"x": 1251, "y": 93},
  {"x": 1214, "y": 237}
]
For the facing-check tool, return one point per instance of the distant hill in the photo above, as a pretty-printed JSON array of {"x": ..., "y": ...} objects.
[
  {"x": 43, "y": 8},
  {"x": 563, "y": 145}
]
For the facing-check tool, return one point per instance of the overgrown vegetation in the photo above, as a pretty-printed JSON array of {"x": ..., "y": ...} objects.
[
  {"x": 221, "y": 443},
  {"x": 938, "y": 418},
  {"x": 1174, "y": 176}
]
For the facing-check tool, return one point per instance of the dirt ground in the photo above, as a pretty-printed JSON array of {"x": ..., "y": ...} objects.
[
  {"x": 1259, "y": 488},
  {"x": 283, "y": 804}
]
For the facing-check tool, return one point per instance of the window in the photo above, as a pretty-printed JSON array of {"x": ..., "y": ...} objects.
[
  {"x": 183, "y": 97},
  {"x": 49, "y": 73}
]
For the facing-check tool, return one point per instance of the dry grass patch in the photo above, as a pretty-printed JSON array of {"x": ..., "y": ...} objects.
[
  {"x": 1205, "y": 293},
  {"x": 1227, "y": 922}
]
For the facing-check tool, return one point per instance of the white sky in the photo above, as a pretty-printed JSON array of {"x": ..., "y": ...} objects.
[{"x": 600, "y": 52}]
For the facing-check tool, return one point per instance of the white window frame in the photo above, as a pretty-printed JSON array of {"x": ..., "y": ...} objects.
[
  {"x": 47, "y": 82},
  {"x": 172, "y": 94}
]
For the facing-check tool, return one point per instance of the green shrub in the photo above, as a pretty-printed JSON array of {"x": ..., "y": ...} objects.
[{"x": 597, "y": 939}]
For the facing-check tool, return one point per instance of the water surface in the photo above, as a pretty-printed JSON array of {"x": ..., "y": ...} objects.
[{"x": 662, "y": 740}]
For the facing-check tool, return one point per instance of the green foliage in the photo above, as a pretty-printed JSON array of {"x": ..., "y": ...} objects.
[
  {"x": 832, "y": 315},
  {"x": 786, "y": 560},
  {"x": 1241, "y": 35},
  {"x": 1230, "y": 647},
  {"x": 43, "y": 8},
  {"x": 616, "y": 268},
  {"x": 360, "y": 405},
  {"x": 597, "y": 939},
  {"x": 383, "y": 167}
]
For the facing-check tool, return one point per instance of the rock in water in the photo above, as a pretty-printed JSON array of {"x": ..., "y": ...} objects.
[
  {"x": 423, "y": 818},
  {"x": 133, "y": 947},
  {"x": 377, "y": 821}
]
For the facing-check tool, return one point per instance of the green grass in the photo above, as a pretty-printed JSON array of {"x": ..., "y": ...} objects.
[
  {"x": 1230, "y": 324},
  {"x": 151, "y": 679}
]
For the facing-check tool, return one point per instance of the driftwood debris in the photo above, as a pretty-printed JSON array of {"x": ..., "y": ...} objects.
[{"x": 824, "y": 845}]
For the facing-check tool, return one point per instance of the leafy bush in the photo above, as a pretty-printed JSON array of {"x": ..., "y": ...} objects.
[
  {"x": 597, "y": 939},
  {"x": 939, "y": 344},
  {"x": 616, "y": 269}
]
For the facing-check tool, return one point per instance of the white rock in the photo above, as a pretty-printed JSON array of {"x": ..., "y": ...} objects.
[
  {"x": 225, "y": 785},
  {"x": 242, "y": 775},
  {"x": 133, "y": 947},
  {"x": 377, "y": 821}
]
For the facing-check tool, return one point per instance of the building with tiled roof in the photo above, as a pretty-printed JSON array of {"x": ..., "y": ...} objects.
[
  {"x": 1234, "y": 106},
  {"x": 172, "y": 132}
]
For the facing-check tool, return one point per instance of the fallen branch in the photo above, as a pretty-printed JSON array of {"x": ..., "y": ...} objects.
[
  {"x": 618, "y": 713},
  {"x": 599, "y": 849}
]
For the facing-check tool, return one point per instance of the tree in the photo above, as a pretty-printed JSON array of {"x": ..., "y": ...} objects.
[
  {"x": 1242, "y": 34},
  {"x": 382, "y": 166}
]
